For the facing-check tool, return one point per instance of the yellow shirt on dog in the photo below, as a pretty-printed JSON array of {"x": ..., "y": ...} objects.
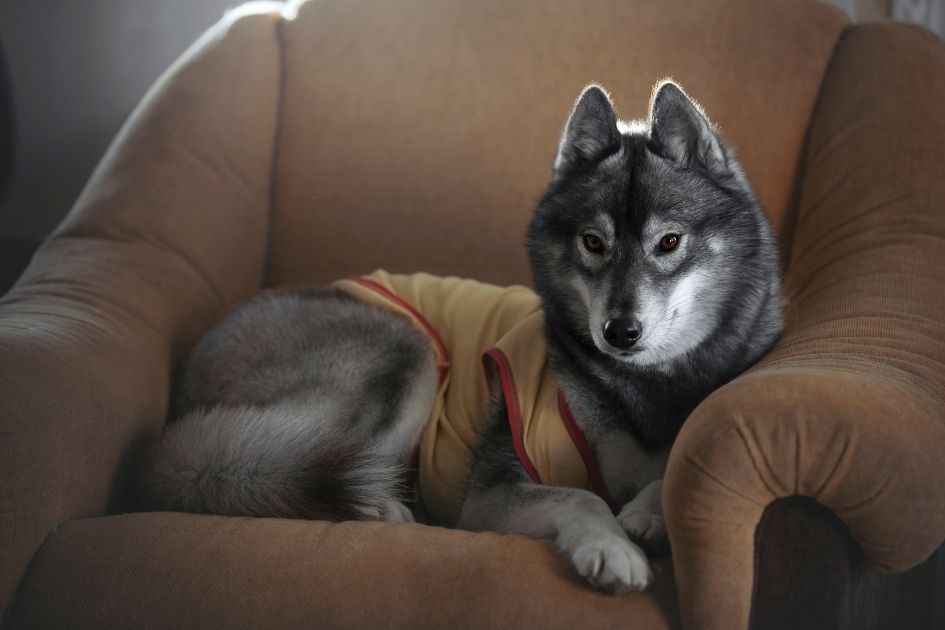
[{"x": 473, "y": 326}]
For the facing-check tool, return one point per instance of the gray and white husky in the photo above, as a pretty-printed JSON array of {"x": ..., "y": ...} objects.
[{"x": 659, "y": 280}]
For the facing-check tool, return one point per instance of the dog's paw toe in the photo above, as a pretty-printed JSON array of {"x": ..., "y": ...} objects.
[
  {"x": 612, "y": 564},
  {"x": 643, "y": 526}
]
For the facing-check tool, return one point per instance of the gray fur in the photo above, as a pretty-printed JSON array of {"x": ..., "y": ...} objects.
[
  {"x": 307, "y": 404},
  {"x": 302, "y": 404}
]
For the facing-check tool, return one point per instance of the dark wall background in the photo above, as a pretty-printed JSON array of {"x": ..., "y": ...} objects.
[{"x": 77, "y": 68}]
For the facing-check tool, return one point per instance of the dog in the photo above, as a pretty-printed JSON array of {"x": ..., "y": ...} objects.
[{"x": 548, "y": 413}]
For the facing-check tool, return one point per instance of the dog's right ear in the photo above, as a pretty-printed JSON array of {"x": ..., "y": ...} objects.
[{"x": 591, "y": 132}]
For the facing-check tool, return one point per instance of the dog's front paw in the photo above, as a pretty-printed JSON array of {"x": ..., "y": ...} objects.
[
  {"x": 611, "y": 563},
  {"x": 644, "y": 527}
]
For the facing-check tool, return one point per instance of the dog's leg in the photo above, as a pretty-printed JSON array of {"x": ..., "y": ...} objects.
[
  {"x": 579, "y": 523},
  {"x": 500, "y": 497},
  {"x": 642, "y": 518}
]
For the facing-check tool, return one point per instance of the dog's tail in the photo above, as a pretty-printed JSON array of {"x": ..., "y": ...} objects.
[{"x": 251, "y": 461}]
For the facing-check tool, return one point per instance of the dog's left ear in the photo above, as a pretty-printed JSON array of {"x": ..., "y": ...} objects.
[{"x": 681, "y": 132}]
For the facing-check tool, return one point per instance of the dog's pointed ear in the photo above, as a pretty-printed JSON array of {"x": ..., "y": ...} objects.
[
  {"x": 680, "y": 131},
  {"x": 591, "y": 132}
]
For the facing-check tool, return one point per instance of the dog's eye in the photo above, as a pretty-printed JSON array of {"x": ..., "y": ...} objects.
[
  {"x": 593, "y": 244},
  {"x": 669, "y": 242}
]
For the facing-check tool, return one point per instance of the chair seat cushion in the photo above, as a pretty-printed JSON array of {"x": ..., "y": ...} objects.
[{"x": 164, "y": 570}]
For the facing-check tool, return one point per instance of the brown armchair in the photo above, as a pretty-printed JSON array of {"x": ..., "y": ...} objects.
[{"x": 302, "y": 143}]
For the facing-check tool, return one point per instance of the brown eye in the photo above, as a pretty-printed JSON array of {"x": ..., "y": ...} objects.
[
  {"x": 593, "y": 243},
  {"x": 669, "y": 242}
]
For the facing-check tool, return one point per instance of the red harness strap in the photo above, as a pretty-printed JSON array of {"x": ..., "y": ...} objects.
[
  {"x": 513, "y": 411},
  {"x": 587, "y": 454},
  {"x": 417, "y": 315},
  {"x": 498, "y": 358}
]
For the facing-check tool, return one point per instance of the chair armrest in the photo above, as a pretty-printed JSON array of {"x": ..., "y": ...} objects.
[
  {"x": 168, "y": 234},
  {"x": 849, "y": 407}
]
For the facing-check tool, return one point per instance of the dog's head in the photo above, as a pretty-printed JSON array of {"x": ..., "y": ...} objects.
[{"x": 649, "y": 236}]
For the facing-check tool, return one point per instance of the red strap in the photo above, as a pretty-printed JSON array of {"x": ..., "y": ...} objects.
[
  {"x": 517, "y": 429},
  {"x": 424, "y": 323},
  {"x": 584, "y": 449},
  {"x": 511, "y": 405}
]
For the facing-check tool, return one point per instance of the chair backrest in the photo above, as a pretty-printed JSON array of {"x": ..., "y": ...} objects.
[{"x": 418, "y": 134}]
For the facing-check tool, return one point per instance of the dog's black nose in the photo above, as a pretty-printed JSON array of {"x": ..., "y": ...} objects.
[{"x": 622, "y": 332}]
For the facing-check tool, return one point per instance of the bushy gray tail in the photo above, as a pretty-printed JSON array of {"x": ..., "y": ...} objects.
[{"x": 251, "y": 461}]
